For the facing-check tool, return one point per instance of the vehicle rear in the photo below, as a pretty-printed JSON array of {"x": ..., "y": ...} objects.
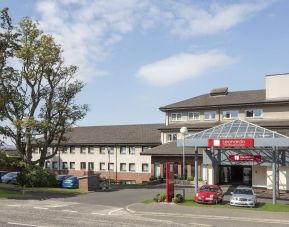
[{"x": 71, "y": 182}]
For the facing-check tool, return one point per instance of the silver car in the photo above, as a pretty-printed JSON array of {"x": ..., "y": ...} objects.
[
  {"x": 243, "y": 196},
  {"x": 10, "y": 178}
]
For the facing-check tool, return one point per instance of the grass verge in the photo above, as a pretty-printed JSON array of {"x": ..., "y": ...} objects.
[{"x": 189, "y": 201}]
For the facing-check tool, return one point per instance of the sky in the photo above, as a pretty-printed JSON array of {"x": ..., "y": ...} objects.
[{"x": 138, "y": 55}]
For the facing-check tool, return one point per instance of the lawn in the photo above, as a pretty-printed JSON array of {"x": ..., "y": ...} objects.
[
  {"x": 7, "y": 190},
  {"x": 189, "y": 201}
]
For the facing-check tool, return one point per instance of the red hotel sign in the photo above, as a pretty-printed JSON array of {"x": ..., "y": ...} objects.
[
  {"x": 245, "y": 157},
  {"x": 235, "y": 142}
]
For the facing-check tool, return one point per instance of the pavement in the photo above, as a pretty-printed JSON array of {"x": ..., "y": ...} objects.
[{"x": 123, "y": 207}]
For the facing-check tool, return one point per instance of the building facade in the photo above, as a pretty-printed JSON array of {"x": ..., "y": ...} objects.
[{"x": 110, "y": 151}]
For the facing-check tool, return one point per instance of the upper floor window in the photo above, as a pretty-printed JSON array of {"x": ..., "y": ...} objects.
[
  {"x": 54, "y": 165},
  {"x": 122, "y": 166},
  {"x": 72, "y": 165},
  {"x": 230, "y": 114},
  {"x": 172, "y": 137},
  {"x": 194, "y": 116},
  {"x": 255, "y": 113},
  {"x": 64, "y": 150},
  {"x": 145, "y": 167},
  {"x": 131, "y": 167},
  {"x": 64, "y": 165},
  {"x": 90, "y": 166},
  {"x": 72, "y": 150},
  {"x": 122, "y": 150},
  {"x": 102, "y": 150},
  {"x": 91, "y": 150},
  {"x": 110, "y": 150},
  {"x": 83, "y": 165},
  {"x": 146, "y": 148},
  {"x": 47, "y": 164},
  {"x": 131, "y": 150},
  {"x": 83, "y": 150},
  {"x": 210, "y": 115},
  {"x": 176, "y": 116}
]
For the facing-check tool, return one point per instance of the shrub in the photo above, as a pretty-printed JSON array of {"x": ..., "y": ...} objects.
[
  {"x": 160, "y": 197},
  {"x": 35, "y": 176},
  {"x": 190, "y": 178},
  {"x": 178, "y": 198},
  {"x": 153, "y": 178}
]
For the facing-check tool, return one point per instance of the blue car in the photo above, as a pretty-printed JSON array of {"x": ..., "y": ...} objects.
[
  {"x": 61, "y": 178},
  {"x": 71, "y": 182}
]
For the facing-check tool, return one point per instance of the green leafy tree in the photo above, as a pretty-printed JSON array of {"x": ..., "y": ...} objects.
[{"x": 37, "y": 91}]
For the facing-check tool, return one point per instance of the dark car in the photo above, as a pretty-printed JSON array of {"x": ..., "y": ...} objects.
[
  {"x": 210, "y": 194},
  {"x": 71, "y": 182},
  {"x": 2, "y": 173},
  {"x": 61, "y": 178}
]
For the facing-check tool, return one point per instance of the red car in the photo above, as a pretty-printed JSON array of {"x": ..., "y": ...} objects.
[{"x": 210, "y": 194}]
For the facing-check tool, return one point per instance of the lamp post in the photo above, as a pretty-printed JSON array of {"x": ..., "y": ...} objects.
[
  {"x": 184, "y": 132},
  {"x": 108, "y": 166}
]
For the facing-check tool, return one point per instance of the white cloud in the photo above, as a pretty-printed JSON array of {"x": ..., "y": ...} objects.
[
  {"x": 182, "y": 67},
  {"x": 88, "y": 29}
]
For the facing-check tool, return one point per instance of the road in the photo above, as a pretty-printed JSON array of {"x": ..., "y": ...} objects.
[{"x": 46, "y": 213}]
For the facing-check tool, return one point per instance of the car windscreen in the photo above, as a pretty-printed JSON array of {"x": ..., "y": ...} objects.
[
  {"x": 10, "y": 174},
  {"x": 243, "y": 191},
  {"x": 208, "y": 189}
]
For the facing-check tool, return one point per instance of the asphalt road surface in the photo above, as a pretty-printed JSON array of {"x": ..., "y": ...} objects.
[{"x": 37, "y": 213}]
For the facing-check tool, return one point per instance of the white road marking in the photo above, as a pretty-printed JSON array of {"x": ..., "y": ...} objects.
[
  {"x": 14, "y": 205},
  {"x": 129, "y": 210},
  {"x": 98, "y": 213},
  {"x": 70, "y": 211},
  {"x": 199, "y": 224},
  {"x": 22, "y": 224},
  {"x": 41, "y": 208},
  {"x": 115, "y": 210},
  {"x": 271, "y": 221}
]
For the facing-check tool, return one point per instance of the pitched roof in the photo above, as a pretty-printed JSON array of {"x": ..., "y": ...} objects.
[
  {"x": 169, "y": 149},
  {"x": 232, "y": 98},
  {"x": 115, "y": 134}
]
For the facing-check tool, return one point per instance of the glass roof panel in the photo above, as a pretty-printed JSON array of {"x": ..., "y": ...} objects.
[{"x": 236, "y": 129}]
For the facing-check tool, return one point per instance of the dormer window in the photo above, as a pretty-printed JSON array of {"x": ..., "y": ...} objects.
[
  {"x": 254, "y": 113},
  {"x": 176, "y": 116},
  {"x": 230, "y": 114}
]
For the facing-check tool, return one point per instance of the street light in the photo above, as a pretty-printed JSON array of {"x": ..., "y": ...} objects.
[
  {"x": 184, "y": 132},
  {"x": 108, "y": 166}
]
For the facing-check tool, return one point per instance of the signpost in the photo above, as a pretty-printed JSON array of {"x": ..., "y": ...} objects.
[
  {"x": 245, "y": 157},
  {"x": 234, "y": 142},
  {"x": 170, "y": 188}
]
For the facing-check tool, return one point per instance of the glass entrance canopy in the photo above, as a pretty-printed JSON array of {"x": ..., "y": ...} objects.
[{"x": 237, "y": 129}]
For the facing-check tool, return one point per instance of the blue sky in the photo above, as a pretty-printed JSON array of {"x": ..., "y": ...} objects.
[{"x": 138, "y": 55}]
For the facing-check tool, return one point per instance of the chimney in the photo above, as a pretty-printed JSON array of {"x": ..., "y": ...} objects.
[{"x": 277, "y": 86}]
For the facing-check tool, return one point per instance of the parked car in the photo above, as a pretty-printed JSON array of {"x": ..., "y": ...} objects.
[
  {"x": 10, "y": 178},
  {"x": 243, "y": 196},
  {"x": 71, "y": 182},
  {"x": 210, "y": 194},
  {"x": 2, "y": 173},
  {"x": 61, "y": 178}
]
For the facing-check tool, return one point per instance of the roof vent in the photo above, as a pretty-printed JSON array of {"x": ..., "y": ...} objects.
[{"x": 219, "y": 91}]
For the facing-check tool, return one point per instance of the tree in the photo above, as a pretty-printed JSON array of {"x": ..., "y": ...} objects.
[{"x": 37, "y": 91}]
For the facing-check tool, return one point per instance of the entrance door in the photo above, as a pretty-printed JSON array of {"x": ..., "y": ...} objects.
[
  {"x": 157, "y": 169},
  {"x": 247, "y": 175},
  {"x": 237, "y": 175}
]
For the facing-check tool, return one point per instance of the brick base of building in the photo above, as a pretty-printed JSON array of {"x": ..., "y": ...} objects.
[{"x": 131, "y": 177}]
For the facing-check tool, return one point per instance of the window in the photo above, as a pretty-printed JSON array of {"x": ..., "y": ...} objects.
[
  {"x": 110, "y": 150},
  {"x": 72, "y": 150},
  {"x": 102, "y": 166},
  {"x": 90, "y": 166},
  {"x": 122, "y": 166},
  {"x": 146, "y": 148},
  {"x": 83, "y": 165},
  {"x": 110, "y": 166},
  {"x": 47, "y": 164},
  {"x": 194, "y": 116},
  {"x": 64, "y": 165},
  {"x": 132, "y": 167},
  {"x": 35, "y": 150},
  {"x": 176, "y": 116},
  {"x": 72, "y": 165},
  {"x": 64, "y": 150},
  {"x": 54, "y": 165},
  {"x": 131, "y": 150},
  {"x": 83, "y": 150},
  {"x": 255, "y": 113},
  {"x": 210, "y": 115},
  {"x": 145, "y": 167},
  {"x": 49, "y": 150},
  {"x": 102, "y": 150},
  {"x": 122, "y": 150},
  {"x": 91, "y": 150},
  {"x": 172, "y": 137},
  {"x": 230, "y": 114}
]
